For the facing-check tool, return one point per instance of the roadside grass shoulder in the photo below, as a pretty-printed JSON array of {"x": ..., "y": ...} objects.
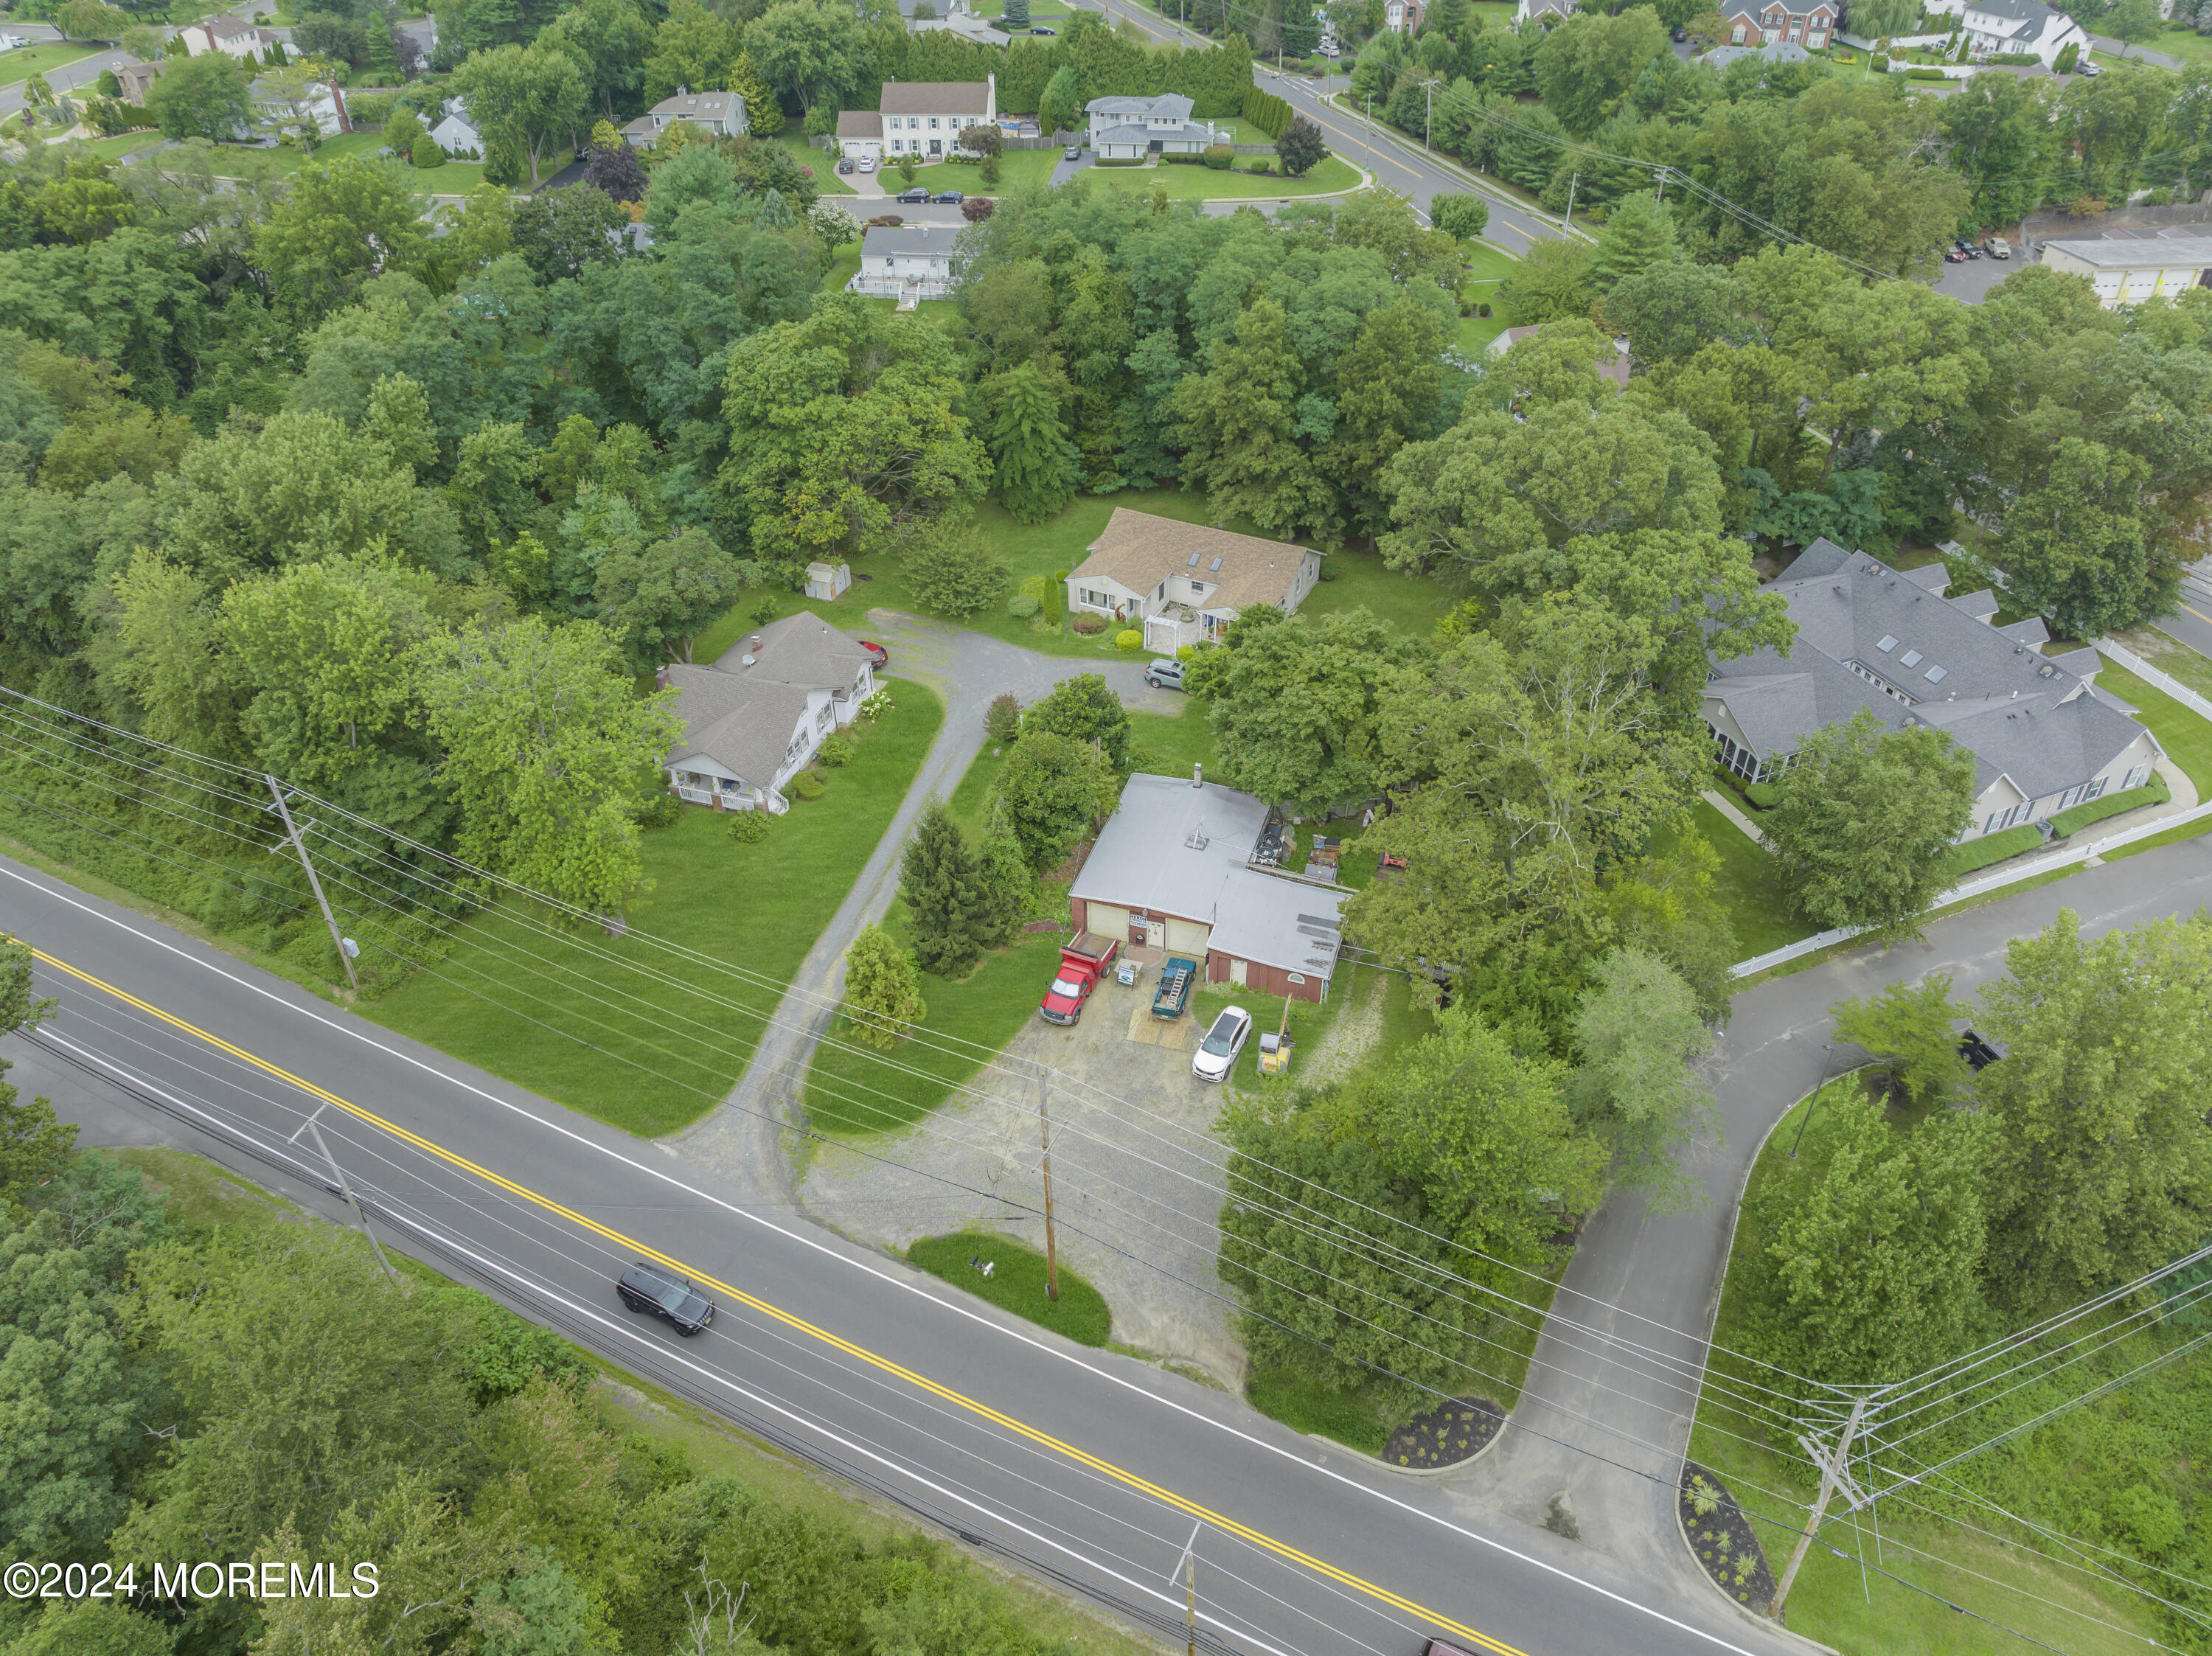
[
  {"x": 1922, "y": 1567},
  {"x": 1017, "y": 1283},
  {"x": 203, "y": 1195},
  {"x": 623, "y": 1031},
  {"x": 2186, "y": 738},
  {"x": 18, "y": 66}
]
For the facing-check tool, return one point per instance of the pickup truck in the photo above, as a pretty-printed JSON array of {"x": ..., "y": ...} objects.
[
  {"x": 1083, "y": 962},
  {"x": 1176, "y": 980}
]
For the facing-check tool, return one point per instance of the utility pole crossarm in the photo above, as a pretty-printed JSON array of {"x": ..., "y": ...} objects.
[{"x": 1834, "y": 1474}]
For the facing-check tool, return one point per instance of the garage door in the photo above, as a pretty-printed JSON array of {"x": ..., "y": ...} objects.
[
  {"x": 1188, "y": 936},
  {"x": 1106, "y": 921}
]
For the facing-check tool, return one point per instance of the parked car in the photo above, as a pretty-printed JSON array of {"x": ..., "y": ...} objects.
[
  {"x": 1164, "y": 674},
  {"x": 1680, "y": 36},
  {"x": 916, "y": 196},
  {"x": 947, "y": 197},
  {"x": 1997, "y": 247},
  {"x": 2085, "y": 67},
  {"x": 1953, "y": 255},
  {"x": 877, "y": 653},
  {"x": 1073, "y": 152},
  {"x": 1979, "y": 1050},
  {"x": 845, "y": 164},
  {"x": 1216, "y": 1053},
  {"x": 867, "y": 163},
  {"x": 651, "y": 1288},
  {"x": 1040, "y": 29}
]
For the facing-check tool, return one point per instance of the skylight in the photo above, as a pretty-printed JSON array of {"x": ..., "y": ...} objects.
[
  {"x": 1192, "y": 564},
  {"x": 1912, "y": 658},
  {"x": 1887, "y": 644},
  {"x": 1936, "y": 675},
  {"x": 1214, "y": 567}
]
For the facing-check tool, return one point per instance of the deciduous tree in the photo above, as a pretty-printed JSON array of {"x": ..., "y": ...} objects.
[
  {"x": 1639, "y": 1032},
  {"x": 203, "y": 97},
  {"x": 523, "y": 96},
  {"x": 1084, "y": 708},
  {"x": 342, "y": 224},
  {"x": 1054, "y": 788},
  {"x": 660, "y": 596},
  {"x": 1907, "y": 1028},
  {"x": 951, "y": 571}
]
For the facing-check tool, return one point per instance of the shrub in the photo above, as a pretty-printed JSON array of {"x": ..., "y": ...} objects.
[
  {"x": 2159, "y": 198},
  {"x": 1270, "y": 113},
  {"x": 2154, "y": 792},
  {"x": 1022, "y": 606},
  {"x": 1300, "y": 148},
  {"x": 424, "y": 151},
  {"x": 1185, "y": 652},
  {"x": 1764, "y": 796},
  {"x": 1055, "y": 597},
  {"x": 1118, "y": 161},
  {"x": 372, "y": 108},
  {"x": 1220, "y": 158},
  {"x": 1128, "y": 640},
  {"x": 2016, "y": 58},
  {"x": 1482, "y": 311},
  {"x": 1002, "y": 719},
  {"x": 1261, "y": 164},
  {"x": 837, "y": 750},
  {"x": 976, "y": 208},
  {"x": 1458, "y": 213},
  {"x": 748, "y": 828},
  {"x": 1087, "y": 624},
  {"x": 1962, "y": 860},
  {"x": 1880, "y": 62},
  {"x": 804, "y": 786},
  {"x": 660, "y": 809},
  {"x": 1919, "y": 74},
  {"x": 1169, "y": 160}
]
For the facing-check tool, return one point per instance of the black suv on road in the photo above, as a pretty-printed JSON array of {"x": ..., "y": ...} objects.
[{"x": 649, "y": 1288}]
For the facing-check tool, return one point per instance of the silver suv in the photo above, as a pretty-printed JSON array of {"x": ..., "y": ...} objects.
[{"x": 1164, "y": 674}]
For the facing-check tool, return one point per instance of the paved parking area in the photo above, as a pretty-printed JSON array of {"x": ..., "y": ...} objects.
[{"x": 1136, "y": 1173}]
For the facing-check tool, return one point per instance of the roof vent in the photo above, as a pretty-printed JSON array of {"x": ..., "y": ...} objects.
[
  {"x": 1197, "y": 840},
  {"x": 745, "y": 661},
  {"x": 1910, "y": 658},
  {"x": 1887, "y": 644}
]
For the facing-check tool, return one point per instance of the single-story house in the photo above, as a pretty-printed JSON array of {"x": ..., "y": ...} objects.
[
  {"x": 2044, "y": 736},
  {"x": 1782, "y": 21},
  {"x": 1182, "y": 583},
  {"x": 861, "y": 132},
  {"x": 827, "y": 581},
  {"x": 909, "y": 262},
  {"x": 1128, "y": 129},
  {"x": 2129, "y": 272},
  {"x": 925, "y": 118},
  {"x": 1172, "y": 869},
  {"x": 2005, "y": 26},
  {"x": 223, "y": 32},
  {"x": 755, "y": 717},
  {"x": 966, "y": 25},
  {"x": 456, "y": 132},
  {"x": 717, "y": 114}
]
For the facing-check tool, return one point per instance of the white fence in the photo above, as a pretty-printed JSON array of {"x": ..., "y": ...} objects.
[{"x": 2032, "y": 867}]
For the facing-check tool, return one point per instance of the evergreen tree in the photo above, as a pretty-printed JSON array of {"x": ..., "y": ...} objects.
[
  {"x": 1002, "y": 877},
  {"x": 764, "y": 115},
  {"x": 1063, "y": 103},
  {"x": 1017, "y": 15},
  {"x": 883, "y": 990},
  {"x": 1036, "y": 464},
  {"x": 940, "y": 883},
  {"x": 1639, "y": 235}
]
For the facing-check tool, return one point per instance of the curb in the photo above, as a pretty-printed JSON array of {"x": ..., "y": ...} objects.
[
  {"x": 1504, "y": 1422},
  {"x": 1767, "y": 1623}
]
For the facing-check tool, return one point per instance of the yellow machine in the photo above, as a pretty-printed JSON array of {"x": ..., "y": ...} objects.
[{"x": 1275, "y": 1049}]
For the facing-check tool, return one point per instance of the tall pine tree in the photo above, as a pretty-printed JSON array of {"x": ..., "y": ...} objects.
[
  {"x": 1003, "y": 877},
  {"x": 1037, "y": 463},
  {"x": 940, "y": 885}
]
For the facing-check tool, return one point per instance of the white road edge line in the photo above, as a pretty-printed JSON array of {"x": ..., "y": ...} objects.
[{"x": 886, "y": 1277}]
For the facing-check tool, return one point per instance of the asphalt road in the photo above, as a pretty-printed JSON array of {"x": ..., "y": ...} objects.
[
  {"x": 1081, "y": 1462},
  {"x": 2192, "y": 623}
]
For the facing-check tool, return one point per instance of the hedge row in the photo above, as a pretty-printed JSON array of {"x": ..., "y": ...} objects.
[
  {"x": 1992, "y": 848},
  {"x": 1271, "y": 114},
  {"x": 2154, "y": 792}
]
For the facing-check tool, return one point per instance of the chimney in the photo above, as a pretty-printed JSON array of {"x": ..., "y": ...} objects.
[
  {"x": 1198, "y": 776},
  {"x": 660, "y": 677}
]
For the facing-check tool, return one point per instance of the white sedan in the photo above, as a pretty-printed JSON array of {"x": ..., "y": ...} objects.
[{"x": 1216, "y": 1053}]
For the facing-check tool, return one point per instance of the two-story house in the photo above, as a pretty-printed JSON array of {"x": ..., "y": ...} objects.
[
  {"x": 1992, "y": 27},
  {"x": 717, "y": 114},
  {"x": 1544, "y": 11},
  {"x": 909, "y": 263},
  {"x": 924, "y": 119},
  {"x": 756, "y": 717},
  {"x": 1128, "y": 129},
  {"x": 1792, "y": 20},
  {"x": 1403, "y": 16},
  {"x": 456, "y": 132},
  {"x": 1184, "y": 583},
  {"x": 223, "y": 32}
]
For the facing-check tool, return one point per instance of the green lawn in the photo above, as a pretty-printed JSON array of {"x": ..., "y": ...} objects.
[
  {"x": 843, "y": 267},
  {"x": 822, "y": 163},
  {"x": 1873, "y": 1616},
  {"x": 625, "y": 1032},
  {"x": 1475, "y": 333},
  {"x": 116, "y": 148},
  {"x": 1168, "y": 744},
  {"x": 16, "y": 67},
  {"x": 242, "y": 161},
  {"x": 2186, "y": 738},
  {"x": 1017, "y": 1283},
  {"x": 1744, "y": 885},
  {"x": 1016, "y": 167},
  {"x": 1204, "y": 184}
]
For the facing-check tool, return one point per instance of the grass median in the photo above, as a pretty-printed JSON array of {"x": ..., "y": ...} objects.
[{"x": 1017, "y": 1282}]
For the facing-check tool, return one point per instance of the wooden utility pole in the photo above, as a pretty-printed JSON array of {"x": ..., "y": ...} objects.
[
  {"x": 338, "y": 1173},
  {"x": 1044, "y": 1137},
  {"x": 1833, "y": 1473},
  {"x": 284, "y": 812},
  {"x": 1574, "y": 184},
  {"x": 1186, "y": 1567}
]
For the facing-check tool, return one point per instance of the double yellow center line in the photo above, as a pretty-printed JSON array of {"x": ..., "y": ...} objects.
[{"x": 800, "y": 1325}]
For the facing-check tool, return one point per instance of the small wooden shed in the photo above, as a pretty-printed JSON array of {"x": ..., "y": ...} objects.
[{"x": 827, "y": 582}]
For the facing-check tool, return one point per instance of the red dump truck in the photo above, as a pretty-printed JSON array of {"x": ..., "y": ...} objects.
[{"x": 1083, "y": 962}]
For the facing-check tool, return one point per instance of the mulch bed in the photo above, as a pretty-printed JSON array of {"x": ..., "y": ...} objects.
[
  {"x": 1724, "y": 1540},
  {"x": 1446, "y": 1435}
]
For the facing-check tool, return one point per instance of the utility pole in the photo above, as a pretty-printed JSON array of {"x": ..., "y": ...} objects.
[
  {"x": 1834, "y": 1473},
  {"x": 338, "y": 1173},
  {"x": 1186, "y": 1567},
  {"x": 284, "y": 811},
  {"x": 1428, "y": 112},
  {"x": 1573, "y": 184},
  {"x": 1044, "y": 1135}
]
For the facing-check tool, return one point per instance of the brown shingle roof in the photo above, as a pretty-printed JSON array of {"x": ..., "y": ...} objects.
[
  {"x": 1140, "y": 551},
  {"x": 859, "y": 123},
  {"x": 935, "y": 98}
]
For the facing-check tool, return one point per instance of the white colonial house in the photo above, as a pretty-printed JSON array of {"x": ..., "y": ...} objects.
[
  {"x": 1128, "y": 129},
  {"x": 1992, "y": 27},
  {"x": 756, "y": 717},
  {"x": 224, "y": 33},
  {"x": 456, "y": 132},
  {"x": 926, "y": 118},
  {"x": 325, "y": 106},
  {"x": 1184, "y": 583},
  {"x": 717, "y": 114},
  {"x": 909, "y": 263},
  {"x": 1542, "y": 9}
]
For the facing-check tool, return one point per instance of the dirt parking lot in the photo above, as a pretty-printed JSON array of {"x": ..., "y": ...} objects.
[{"x": 1136, "y": 1173}]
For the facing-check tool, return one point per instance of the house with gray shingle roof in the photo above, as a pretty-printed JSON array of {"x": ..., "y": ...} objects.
[
  {"x": 2044, "y": 736},
  {"x": 1128, "y": 129},
  {"x": 756, "y": 717},
  {"x": 906, "y": 262}
]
